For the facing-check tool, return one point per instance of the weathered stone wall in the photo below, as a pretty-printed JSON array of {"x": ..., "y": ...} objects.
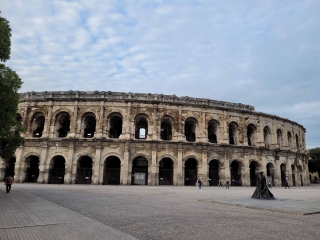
[{"x": 154, "y": 107}]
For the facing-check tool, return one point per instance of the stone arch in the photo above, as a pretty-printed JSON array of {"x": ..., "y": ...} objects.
[
  {"x": 236, "y": 172},
  {"x": 88, "y": 124},
  {"x": 279, "y": 137},
  {"x": 62, "y": 122},
  {"x": 266, "y": 136},
  {"x": 84, "y": 169},
  {"x": 251, "y": 134},
  {"x": 293, "y": 174},
  {"x": 30, "y": 154},
  {"x": 233, "y": 129},
  {"x": 60, "y": 110},
  {"x": 190, "y": 126},
  {"x": 110, "y": 154},
  {"x": 289, "y": 139},
  {"x": 213, "y": 131},
  {"x": 270, "y": 166},
  {"x": 56, "y": 153},
  {"x": 32, "y": 163},
  {"x": 167, "y": 156},
  {"x": 214, "y": 177},
  {"x": 166, "y": 166},
  {"x": 141, "y": 125},
  {"x": 36, "y": 124},
  {"x": 190, "y": 171},
  {"x": 254, "y": 167},
  {"x": 57, "y": 169},
  {"x": 192, "y": 156},
  {"x": 111, "y": 173},
  {"x": 115, "y": 124},
  {"x": 147, "y": 157},
  {"x": 140, "y": 166},
  {"x": 78, "y": 156},
  {"x": 283, "y": 172},
  {"x": 166, "y": 127}
]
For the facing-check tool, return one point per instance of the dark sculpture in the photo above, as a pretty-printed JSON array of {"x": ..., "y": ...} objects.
[{"x": 262, "y": 191}]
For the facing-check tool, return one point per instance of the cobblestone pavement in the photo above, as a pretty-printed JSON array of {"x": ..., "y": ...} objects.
[{"x": 170, "y": 212}]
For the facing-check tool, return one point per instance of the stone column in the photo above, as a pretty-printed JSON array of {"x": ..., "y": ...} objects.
[
  {"x": 99, "y": 129},
  {"x": 225, "y": 136},
  {"x": 126, "y": 168},
  {"x": 2, "y": 169},
  {"x": 246, "y": 170},
  {"x": 44, "y": 165},
  {"x": 180, "y": 170},
  {"x": 48, "y": 122},
  {"x": 204, "y": 171},
  {"x": 277, "y": 174},
  {"x": 19, "y": 173},
  {"x": 153, "y": 167},
  {"x": 68, "y": 177},
  {"x": 96, "y": 166},
  {"x": 289, "y": 170}
]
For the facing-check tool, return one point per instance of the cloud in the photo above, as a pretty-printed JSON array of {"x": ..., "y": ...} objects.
[{"x": 264, "y": 54}]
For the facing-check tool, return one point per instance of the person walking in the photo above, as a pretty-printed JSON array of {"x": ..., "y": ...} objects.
[
  {"x": 199, "y": 183},
  {"x": 8, "y": 182},
  {"x": 227, "y": 185},
  {"x": 286, "y": 185},
  {"x": 220, "y": 184},
  {"x": 269, "y": 185}
]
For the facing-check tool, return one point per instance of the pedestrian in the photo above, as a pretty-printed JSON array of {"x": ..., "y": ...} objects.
[
  {"x": 199, "y": 183},
  {"x": 286, "y": 185},
  {"x": 220, "y": 184},
  {"x": 269, "y": 184},
  {"x": 227, "y": 185},
  {"x": 8, "y": 182}
]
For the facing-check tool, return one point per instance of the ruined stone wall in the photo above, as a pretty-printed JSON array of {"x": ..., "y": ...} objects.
[{"x": 284, "y": 156}]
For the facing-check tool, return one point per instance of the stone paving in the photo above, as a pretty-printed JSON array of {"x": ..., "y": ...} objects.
[
  {"x": 42, "y": 211},
  {"x": 25, "y": 216}
]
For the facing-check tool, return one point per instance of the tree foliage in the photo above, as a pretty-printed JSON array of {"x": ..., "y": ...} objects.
[
  {"x": 314, "y": 160},
  {"x": 10, "y": 128}
]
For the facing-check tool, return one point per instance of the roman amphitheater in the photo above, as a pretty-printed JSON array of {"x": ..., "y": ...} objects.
[{"x": 97, "y": 137}]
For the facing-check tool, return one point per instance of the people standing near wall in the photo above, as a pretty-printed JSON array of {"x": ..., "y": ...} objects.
[
  {"x": 227, "y": 185},
  {"x": 286, "y": 185},
  {"x": 8, "y": 182},
  {"x": 199, "y": 183},
  {"x": 220, "y": 184}
]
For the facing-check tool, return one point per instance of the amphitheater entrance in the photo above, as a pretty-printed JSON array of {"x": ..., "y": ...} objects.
[
  {"x": 166, "y": 172},
  {"x": 213, "y": 173},
  {"x": 84, "y": 170},
  {"x": 190, "y": 172},
  {"x": 111, "y": 174},
  {"x": 32, "y": 172},
  {"x": 254, "y": 167},
  {"x": 235, "y": 171},
  {"x": 283, "y": 174},
  {"x": 10, "y": 165},
  {"x": 270, "y": 173},
  {"x": 57, "y": 170},
  {"x": 139, "y": 171},
  {"x": 293, "y": 170}
]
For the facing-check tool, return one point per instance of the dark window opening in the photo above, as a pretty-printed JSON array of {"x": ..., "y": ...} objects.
[
  {"x": 235, "y": 174},
  {"x": 141, "y": 129},
  {"x": 166, "y": 131},
  {"x": 38, "y": 125},
  {"x": 84, "y": 170},
  {"x": 63, "y": 120},
  {"x": 90, "y": 126},
  {"x": 212, "y": 132},
  {"x": 189, "y": 130},
  {"x": 250, "y": 133},
  {"x": 139, "y": 171},
  {"x": 115, "y": 127},
  {"x": 166, "y": 172},
  {"x": 32, "y": 172},
  {"x": 190, "y": 172},
  {"x": 57, "y": 171},
  {"x": 232, "y": 134},
  {"x": 112, "y": 171},
  {"x": 214, "y": 173}
]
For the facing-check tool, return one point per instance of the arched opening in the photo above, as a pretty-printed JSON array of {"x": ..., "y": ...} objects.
[
  {"x": 10, "y": 165},
  {"x": 190, "y": 172},
  {"x": 266, "y": 137},
  {"x": 235, "y": 171},
  {"x": 254, "y": 167},
  {"x": 32, "y": 172},
  {"x": 139, "y": 171},
  {"x": 57, "y": 170},
  {"x": 213, "y": 173},
  {"x": 88, "y": 125},
  {"x": 111, "y": 171},
  {"x": 115, "y": 125},
  {"x": 212, "y": 131},
  {"x": 251, "y": 129},
  {"x": 270, "y": 173},
  {"x": 62, "y": 124},
  {"x": 289, "y": 139},
  {"x": 297, "y": 142},
  {"x": 233, "y": 131},
  {"x": 84, "y": 170},
  {"x": 166, "y": 128},
  {"x": 283, "y": 174},
  {"x": 166, "y": 172},
  {"x": 279, "y": 138},
  {"x": 37, "y": 124},
  {"x": 141, "y": 125},
  {"x": 293, "y": 170},
  {"x": 190, "y": 129}
]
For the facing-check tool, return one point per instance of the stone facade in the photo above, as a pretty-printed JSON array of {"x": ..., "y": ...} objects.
[{"x": 129, "y": 138}]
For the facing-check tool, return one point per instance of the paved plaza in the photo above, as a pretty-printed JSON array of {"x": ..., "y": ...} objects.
[{"x": 42, "y": 211}]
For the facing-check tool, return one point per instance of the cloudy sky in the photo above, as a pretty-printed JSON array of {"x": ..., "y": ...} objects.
[{"x": 262, "y": 53}]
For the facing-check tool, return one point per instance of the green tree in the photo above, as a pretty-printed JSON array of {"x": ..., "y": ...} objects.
[
  {"x": 10, "y": 128},
  {"x": 314, "y": 160}
]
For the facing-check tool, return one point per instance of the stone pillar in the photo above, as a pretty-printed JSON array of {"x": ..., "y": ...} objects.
[
  {"x": 48, "y": 122},
  {"x": 68, "y": 177},
  {"x": 96, "y": 166},
  {"x": 277, "y": 174},
  {"x": 2, "y": 169},
  {"x": 19, "y": 173},
  {"x": 181, "y": 136},
  {"x": 126, "y": 167},
  {"x": 152, "y": 169},
  {"x": 180, "y": 167},
  {"x": 227, "y": 169},
  {"x": 225, "y": 136},
  {"x": 289, "y": 170},
  {"x": 43, "y": 165},
  {"x": 99, "y": 129},
  {"x": 204, "y": 171},
  {"x": 245, "y": 172}
]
